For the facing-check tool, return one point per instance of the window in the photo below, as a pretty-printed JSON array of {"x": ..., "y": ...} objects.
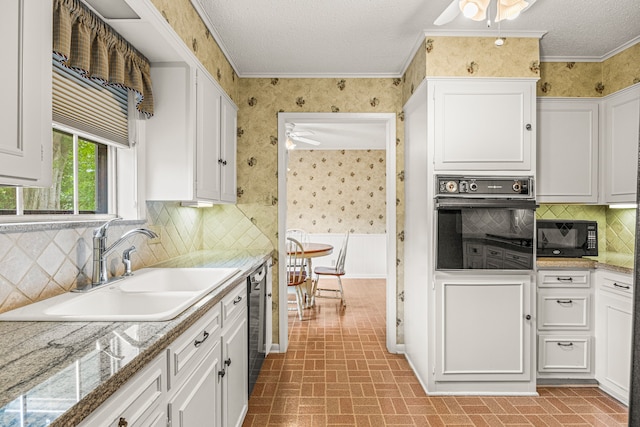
[{"x": 80, "y": 180}]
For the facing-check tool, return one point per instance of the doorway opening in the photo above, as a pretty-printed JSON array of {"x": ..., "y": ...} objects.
[{"x": 324, "y": 126}]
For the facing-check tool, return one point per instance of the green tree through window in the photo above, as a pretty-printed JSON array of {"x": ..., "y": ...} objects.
[{"x": 90, "y": 179}]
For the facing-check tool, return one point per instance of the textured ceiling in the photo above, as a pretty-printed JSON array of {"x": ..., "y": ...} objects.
[{"x": 316, "y": 38}]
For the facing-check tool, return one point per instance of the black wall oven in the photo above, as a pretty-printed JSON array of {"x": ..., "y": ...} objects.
[{"x": 485, "y": 223}]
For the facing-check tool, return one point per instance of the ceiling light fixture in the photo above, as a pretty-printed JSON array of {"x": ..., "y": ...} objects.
[{"x": 477, "y": 10}]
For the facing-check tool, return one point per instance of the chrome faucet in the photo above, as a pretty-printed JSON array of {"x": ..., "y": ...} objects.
[{"x": 101, "y": 251}]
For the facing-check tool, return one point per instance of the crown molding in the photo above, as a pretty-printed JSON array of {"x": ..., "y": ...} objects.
[{"x": 320, "y": 75}]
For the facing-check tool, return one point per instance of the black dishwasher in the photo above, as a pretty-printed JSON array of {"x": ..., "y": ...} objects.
[{"x": 256, "y": 291}]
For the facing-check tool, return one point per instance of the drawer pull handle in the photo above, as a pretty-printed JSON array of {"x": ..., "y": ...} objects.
[
  {"x": 221, "y": 373},
  {"x": 564, "y": 301},
  {"x": 564, "y": 279},
  {"x": 204, "y": 338},
  {"x": 562, "y": 344},
  {"x": 123, "y": 422},
  {"x": 237, "y": 300},
  {"x": 622, "y": 286},
  {"x": 228, "y": 362}
]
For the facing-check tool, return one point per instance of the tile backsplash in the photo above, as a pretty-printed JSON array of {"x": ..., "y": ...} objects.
[{"x": 40, "y": 263}]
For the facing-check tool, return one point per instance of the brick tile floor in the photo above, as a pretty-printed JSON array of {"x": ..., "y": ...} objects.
[{"x": 337, "y": 372}]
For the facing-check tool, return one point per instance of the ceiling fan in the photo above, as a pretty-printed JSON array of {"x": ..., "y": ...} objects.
[
  {"x": 298, "y": 136},
  {"x": 477, "y": 10}
]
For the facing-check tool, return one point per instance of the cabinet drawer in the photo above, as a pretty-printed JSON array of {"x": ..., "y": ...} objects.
[
  {"x": 494, "y": 252},
  {"x": 564, "y": 353},
  {"x": 233, "y": 303},
  {"x": 563, "y": 279},
  {"x": 619, "y": 283},
  {"x": 138, "y": 402},
  {"x": 189, "y": 349},
  {"x": 562, "y": 311}
]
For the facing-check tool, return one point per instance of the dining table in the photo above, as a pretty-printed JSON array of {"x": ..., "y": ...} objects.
[{"x": 312, "y": 250}]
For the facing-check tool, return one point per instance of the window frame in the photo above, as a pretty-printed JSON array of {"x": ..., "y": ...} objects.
[{"x": 111, "y": 181}]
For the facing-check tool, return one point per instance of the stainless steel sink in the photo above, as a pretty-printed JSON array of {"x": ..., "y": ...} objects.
[{"x": 151, "y": 294}]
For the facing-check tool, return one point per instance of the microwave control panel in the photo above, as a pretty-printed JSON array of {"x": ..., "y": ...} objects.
[
  {"x": 484, "y": 186},
  {"x": 592, "y": 237}
]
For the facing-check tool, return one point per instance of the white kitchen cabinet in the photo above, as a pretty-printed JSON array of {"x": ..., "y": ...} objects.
[
  {"x": 198, "y": 401},
  {"x": 484, "y": 331},
  {"x": 621, "y": 126},
  {"x": 614, "y": 325},
  {"x": 567, "y": 150},
  {"x": 235, "y": 357},
  {"x": 139, "y": 403},
  {"x": 25, "y": 107},
  {"x": 191, "y": 140},
  {"x": 565, "y": 324},
  {"x": 484, "y": 124}
]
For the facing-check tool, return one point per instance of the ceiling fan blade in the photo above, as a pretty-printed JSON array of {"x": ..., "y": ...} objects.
[
  {"x": 449, "y": 13},
  {"x": 302, "y": 133},
  {"x": 305, "y": 140}
]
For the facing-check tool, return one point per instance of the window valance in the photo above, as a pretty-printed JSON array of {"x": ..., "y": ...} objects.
[{"x": 82, "y": 41}]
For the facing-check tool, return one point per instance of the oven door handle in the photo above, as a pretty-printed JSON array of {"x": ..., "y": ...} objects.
[{"x": 470, "y": 203}]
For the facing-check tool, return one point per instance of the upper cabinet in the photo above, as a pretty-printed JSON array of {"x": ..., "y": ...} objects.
[
  {"x": 567, "y": 150},
  {"x": 25, "y": 107},
  {"x": 484, "y": 125},
  {"x": 191, "y": 140},
  {"x": 621, "y": 131}
]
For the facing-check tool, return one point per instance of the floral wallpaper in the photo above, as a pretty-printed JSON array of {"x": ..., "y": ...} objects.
[
  {"x": 480, "y": 57},
  {"x": 332, "y": 191},
  {"x": 416, "y": 71},
  {"x": 590, "y": 79},
  {"x": 184, "y": 19},
  {"x": 621, "y": 70}
]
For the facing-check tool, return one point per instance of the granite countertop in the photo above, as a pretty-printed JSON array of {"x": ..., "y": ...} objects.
[
  {"x": 57, "y": 373},
  {"x": 621, "y": 263}
]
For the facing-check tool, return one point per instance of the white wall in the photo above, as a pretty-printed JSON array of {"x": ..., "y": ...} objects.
[{"x": 366, "y": 254}]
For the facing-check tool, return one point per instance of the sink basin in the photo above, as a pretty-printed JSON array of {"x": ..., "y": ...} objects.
[{"x": 151, "y": 294}]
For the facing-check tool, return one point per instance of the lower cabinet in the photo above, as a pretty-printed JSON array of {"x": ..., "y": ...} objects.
[
  {"x": 490, "y": 318},
  {"x": 565, "y": 324},
  {"x": 197, "y": 402},
  {"x": 614, "y": 323},
  {"x": 200, "y": 380}
]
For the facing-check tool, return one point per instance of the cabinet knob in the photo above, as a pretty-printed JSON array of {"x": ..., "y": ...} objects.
[
  {"x": 224, "y": 163},
  {"x": 220, "y": 161},
  {"x": 528, "y": 317},
  {"x": 228, "y": 362},
  {"x": 528, "y": 126},
  {"x": 221, "y": 373},
  {"x": 123, "y": 422}
]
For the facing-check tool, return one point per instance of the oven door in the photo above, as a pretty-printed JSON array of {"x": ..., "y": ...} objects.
[{"x": 484, "y": 234}]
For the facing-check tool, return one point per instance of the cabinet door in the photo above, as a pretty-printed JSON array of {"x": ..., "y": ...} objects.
[
  {"x": 268, "y": 315},
  {"x": 228, "y": 134},
  {"x": 25, "y": 107},
  {"x": 208, "y": 156},
  {"x": 198, "y": 402},
  {"x": 485, "y": 318},
  {"x": 235, "y": 384},
  {"x": 487, "y": 125},
  {"x": 614, "y": 323},
  {"x": 621, "y": 130},
  {"x": 567, "y": 151}
]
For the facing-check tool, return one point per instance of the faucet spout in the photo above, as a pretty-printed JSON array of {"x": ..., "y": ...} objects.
[{"x": 101, "y": 251}]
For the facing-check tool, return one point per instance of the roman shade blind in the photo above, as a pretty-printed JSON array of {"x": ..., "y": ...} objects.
[
  {"x": 90, "y": 107},
  {"x": 84, "y": 43}
]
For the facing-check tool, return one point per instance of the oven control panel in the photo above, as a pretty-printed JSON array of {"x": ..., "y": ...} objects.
[{"x": 521, "y": 187}]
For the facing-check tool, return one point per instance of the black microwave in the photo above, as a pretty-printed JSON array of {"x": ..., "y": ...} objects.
[{"x": 566, "y": 238}]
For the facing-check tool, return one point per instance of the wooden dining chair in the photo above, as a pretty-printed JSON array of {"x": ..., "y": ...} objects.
[
  {"x": 296, "y": 272},
  {"x": 338, "y": 271}
]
